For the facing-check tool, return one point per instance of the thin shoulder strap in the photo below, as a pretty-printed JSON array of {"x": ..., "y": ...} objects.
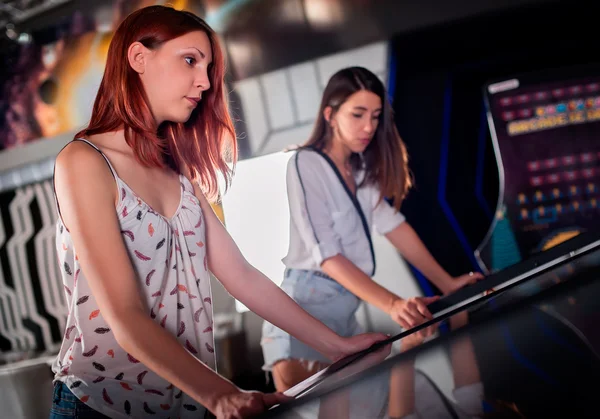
[{"x": 112, "y": 170}]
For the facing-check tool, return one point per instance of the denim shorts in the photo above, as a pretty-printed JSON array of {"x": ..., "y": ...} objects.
[
  {"x": 66, "y": 405},
  {"x": 323, "y": 298}
]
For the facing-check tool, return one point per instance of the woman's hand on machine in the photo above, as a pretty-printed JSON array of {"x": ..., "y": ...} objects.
[
  {"x": 458, "y": 282},
  {"x": 241, "y": 404},
  {"x": 411, "y": 312},
  {"x": 351, "y": 345}
]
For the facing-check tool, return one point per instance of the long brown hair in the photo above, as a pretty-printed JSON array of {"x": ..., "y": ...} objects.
[
  {"x": 385, "y": 159},
  {"x": 204, "y": 143}
]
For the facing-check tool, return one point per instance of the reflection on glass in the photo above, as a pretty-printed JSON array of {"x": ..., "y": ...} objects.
[
  {"x": 413, "y": 394},
  {"x": 529, "y": 352}
]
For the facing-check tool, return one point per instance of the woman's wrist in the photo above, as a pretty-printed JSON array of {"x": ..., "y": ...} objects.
[
  {"x": 213, "y": 401},
  {"x": 332, "y": 346},
  {"x": 394, "y": 299},
  {"x": 444, "y": 283}
]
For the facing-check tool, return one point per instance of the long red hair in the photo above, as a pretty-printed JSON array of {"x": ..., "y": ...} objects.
[{"x": 204, "y": 144}]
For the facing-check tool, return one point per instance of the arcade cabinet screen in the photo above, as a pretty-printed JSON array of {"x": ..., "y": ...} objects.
[{"x": 546, "y": 137}]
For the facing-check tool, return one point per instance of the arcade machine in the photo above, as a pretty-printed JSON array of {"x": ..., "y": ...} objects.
[
  {"x": 544, "y": 128},
  {"x": 530, "y": 348}
]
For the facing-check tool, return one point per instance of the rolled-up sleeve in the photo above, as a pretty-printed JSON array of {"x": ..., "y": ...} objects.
[
  {"x": 385, "y": 217},
  {"x": 309, "y": 210}
]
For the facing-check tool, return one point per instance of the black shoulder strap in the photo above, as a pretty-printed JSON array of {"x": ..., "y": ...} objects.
[
  {"x": 83, "y": 140},
  {"x": 353, "y": 199}
]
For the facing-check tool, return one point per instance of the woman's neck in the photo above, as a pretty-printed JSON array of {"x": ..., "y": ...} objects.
[
  {"x": 339, "y": 153},
  {"x": 341, "y": 157}
]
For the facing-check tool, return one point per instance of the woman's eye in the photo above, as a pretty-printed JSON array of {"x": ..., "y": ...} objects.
[{"x": 190, "y": 60}]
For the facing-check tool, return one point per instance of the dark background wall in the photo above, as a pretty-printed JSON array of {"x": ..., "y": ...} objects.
[{"x": 439, "y": 76}]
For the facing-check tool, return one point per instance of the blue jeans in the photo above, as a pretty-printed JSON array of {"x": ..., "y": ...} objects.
[{"x": 66, "y": 405}]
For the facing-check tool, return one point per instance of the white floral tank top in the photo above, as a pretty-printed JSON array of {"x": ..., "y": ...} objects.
[{"x": 169, "y": 256}]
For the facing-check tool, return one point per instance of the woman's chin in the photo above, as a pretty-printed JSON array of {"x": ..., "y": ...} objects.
[
  {"x": 181, "y": 119},
  {"x": 360, "y": 148}
]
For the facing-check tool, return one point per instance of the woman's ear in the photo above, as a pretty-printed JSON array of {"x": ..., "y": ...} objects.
[
  {"x": 327, "y": 113},
  {"x": 137, "y": 55}
]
